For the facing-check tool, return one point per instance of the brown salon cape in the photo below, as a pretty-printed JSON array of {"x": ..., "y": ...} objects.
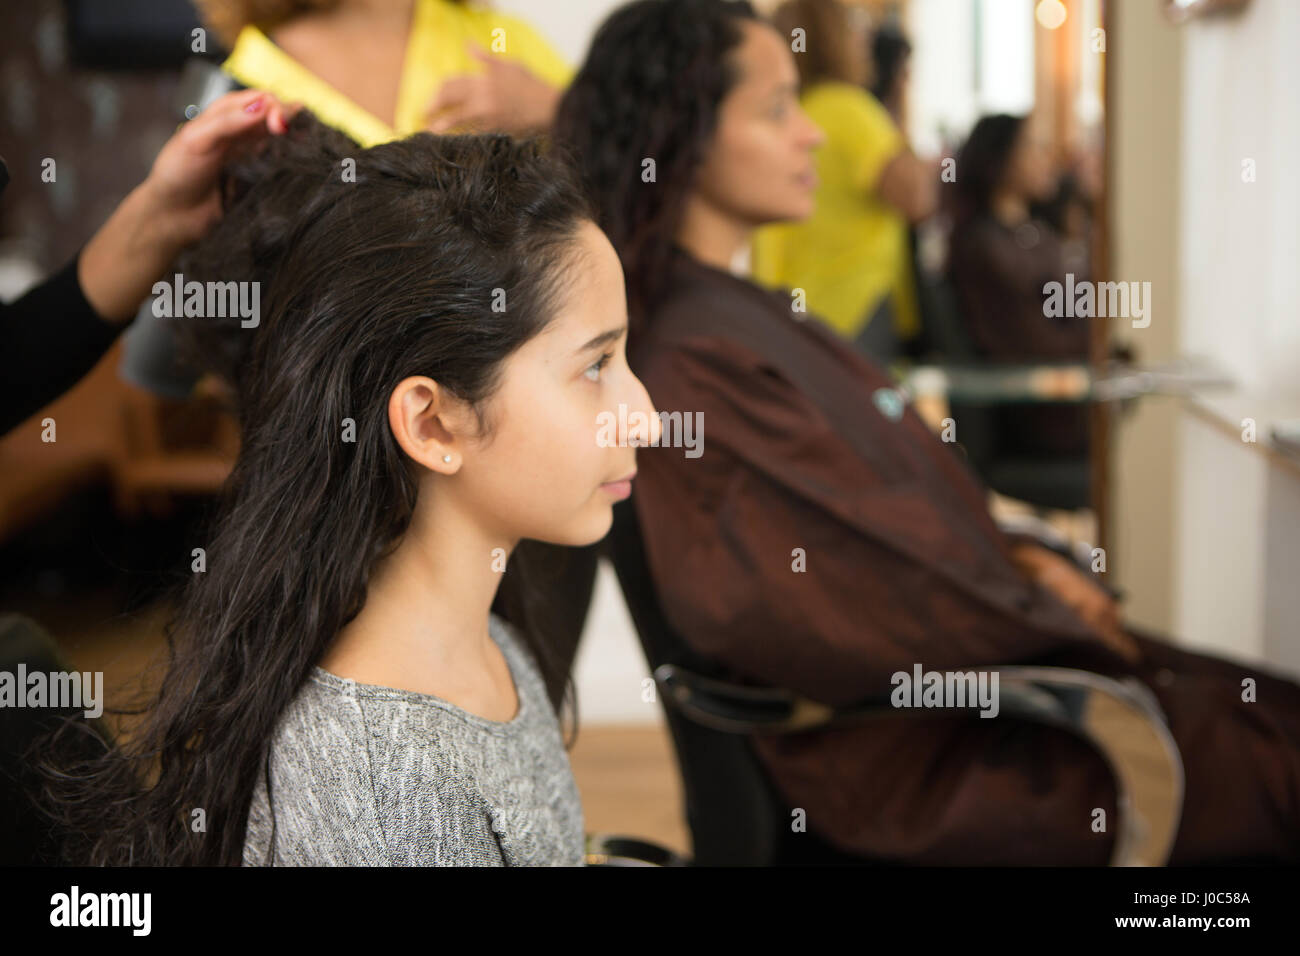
[
  {"x": 998, "y": 276},
  {"x": 806, "y": 452}
]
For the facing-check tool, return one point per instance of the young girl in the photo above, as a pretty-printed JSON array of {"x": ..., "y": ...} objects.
[{"x": 441, "y": 327}]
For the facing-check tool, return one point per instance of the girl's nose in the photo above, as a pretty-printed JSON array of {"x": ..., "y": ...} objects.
[{"x": 650, "y": 432}]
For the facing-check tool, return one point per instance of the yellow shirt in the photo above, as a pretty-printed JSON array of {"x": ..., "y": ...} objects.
[
  {"x": 853, "y": 250},
  {"x": 436, "y": 51}
]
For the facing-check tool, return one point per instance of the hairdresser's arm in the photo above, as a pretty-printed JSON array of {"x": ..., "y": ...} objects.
[
  {"x": 56, "y": 333},
  {"x": 910, "y": 185},
  {"x": 883, "y": 164}
]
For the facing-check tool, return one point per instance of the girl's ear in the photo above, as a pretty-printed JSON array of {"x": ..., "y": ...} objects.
[{"x": 429, "y": 423}]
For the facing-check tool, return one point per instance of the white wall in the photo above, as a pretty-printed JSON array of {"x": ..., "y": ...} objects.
[
  {"x": 610, "y": 673},
  {"x": 1221, "y": 554},
  {"x": 947, "y": 95},
  {"x": 1006, "y": 41},
  {"x": 1239, "y": 507},
  {"x": 942, "y": 98},
  {"x": 567, "y": 24},
  {"x": 1241, "y": 258}
]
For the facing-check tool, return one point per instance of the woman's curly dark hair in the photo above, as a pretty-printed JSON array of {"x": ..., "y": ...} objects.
[
  {"x": 366, "y": 280},
  {"x": 650, "y": 89}
]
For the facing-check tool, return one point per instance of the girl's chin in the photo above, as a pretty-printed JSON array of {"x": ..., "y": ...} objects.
[{"x": 592, "y": 529}]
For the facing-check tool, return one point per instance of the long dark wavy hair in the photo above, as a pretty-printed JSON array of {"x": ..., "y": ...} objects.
[
  {"x": 363, "y": 284},
  {"x": 654, "y": 78}
]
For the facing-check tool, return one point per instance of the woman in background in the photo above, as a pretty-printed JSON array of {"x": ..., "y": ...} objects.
[
  {"x": 1001, "y": 256},
  {"x": 384, "y": 69},
  {"x": 826, "y": 540},
  {"x": 852, "y": 256},
  {"x": 339, "y": 691}
]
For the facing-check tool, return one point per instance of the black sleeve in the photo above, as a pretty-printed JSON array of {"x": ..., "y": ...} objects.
[{"x": 50, "y": 337}]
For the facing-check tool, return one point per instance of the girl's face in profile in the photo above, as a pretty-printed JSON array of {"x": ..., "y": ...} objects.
[
  {"x": 759, "y": 167},
  {"x": 542, "y": 472}
]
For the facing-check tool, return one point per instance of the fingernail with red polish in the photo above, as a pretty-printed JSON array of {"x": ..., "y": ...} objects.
[{"x": 254, "y": 106}]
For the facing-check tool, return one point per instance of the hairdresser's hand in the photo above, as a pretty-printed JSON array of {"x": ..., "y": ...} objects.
[
  {"x": 1076, "y": 591},
  {"x": 183, "y": 184},
  {"x": 175, "y": 206},
  {"x": 505, "y": 97}
]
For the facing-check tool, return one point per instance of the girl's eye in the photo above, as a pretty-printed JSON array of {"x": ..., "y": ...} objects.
[{"x": 600, "y": 364}]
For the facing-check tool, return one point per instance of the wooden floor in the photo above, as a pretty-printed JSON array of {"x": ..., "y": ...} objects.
[{"x": 630, "y": 785}]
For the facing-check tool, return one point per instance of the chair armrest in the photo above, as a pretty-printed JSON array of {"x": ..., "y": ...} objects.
[
  {"x": 1120, "y": 718},
  {"x": 736, "y": 709},
  {"x": 1123, "y": 720},
  {"x": 610, "y": 849}
]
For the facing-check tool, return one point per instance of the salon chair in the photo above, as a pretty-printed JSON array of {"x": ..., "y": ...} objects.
[{"x": 733, "y": 810}]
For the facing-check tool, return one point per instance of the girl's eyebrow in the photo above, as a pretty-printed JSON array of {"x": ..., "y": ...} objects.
[{"x": 599, "y": 340}]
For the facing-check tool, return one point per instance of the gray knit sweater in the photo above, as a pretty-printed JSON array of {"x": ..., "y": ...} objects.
[{"x": 363, "y": 775}]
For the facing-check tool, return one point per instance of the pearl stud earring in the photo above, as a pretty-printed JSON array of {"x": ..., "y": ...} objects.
[{"x": 446, "y": 457}]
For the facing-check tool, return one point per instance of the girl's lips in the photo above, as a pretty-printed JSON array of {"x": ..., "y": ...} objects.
[{"x": 620, "y": 489}]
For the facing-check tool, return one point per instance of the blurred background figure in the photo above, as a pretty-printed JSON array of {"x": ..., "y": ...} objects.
[
  {"x": 891, "y": 69},
  {"x": 1002, "y": 252},
  {"x": 1001, "y": 256},
  {"x": 852, "y": 257},
  {"x": 383, "y": 69},
  {"x": 376, "y": 70}
]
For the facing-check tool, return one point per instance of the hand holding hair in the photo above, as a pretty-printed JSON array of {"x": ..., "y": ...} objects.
[{"x": 175, "y": 206}]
